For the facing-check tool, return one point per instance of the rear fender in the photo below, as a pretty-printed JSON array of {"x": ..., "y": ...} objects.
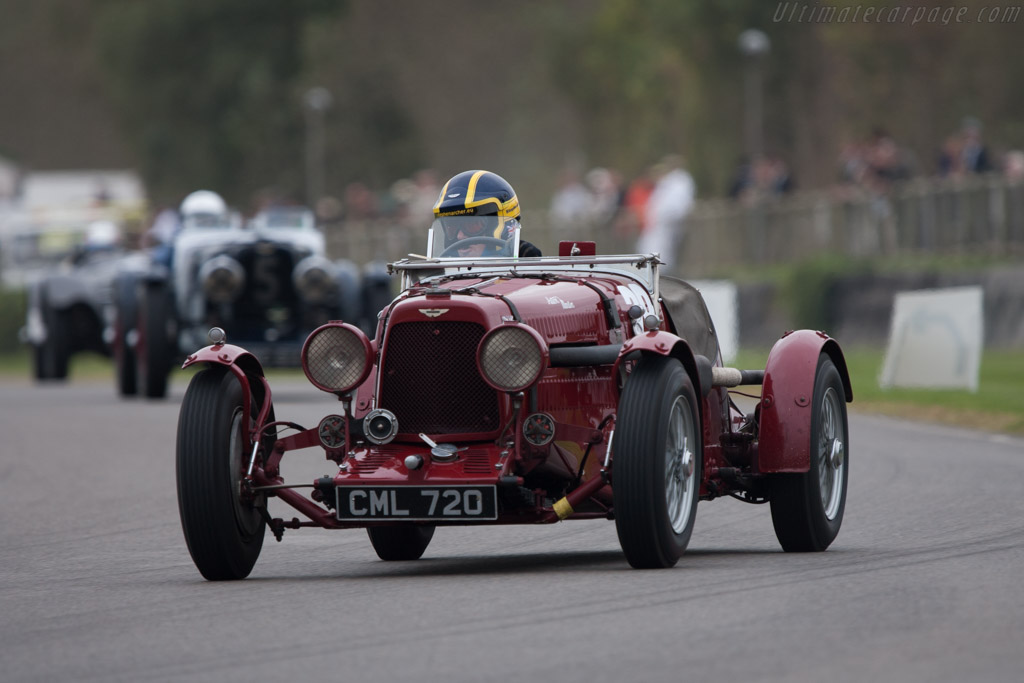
[
  {"x": 247, "y": 369},
  {"x": 784, "y": 435},
  {"x": 664, "y": 343}
]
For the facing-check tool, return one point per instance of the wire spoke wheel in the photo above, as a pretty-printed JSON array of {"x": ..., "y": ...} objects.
[
  {"x": 656, "y": 470},
  {"x": 807, "y": 508},
  {"x": 831, "y": 454},
  {"x": 679, "y": 464}
]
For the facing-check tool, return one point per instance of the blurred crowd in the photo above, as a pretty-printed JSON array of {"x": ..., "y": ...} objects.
[
  {"x": 649, "y": 210},
  {"x": 880, "y": 162}
]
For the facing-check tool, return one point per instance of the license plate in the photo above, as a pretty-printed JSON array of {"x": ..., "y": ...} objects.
[{"x": 417, "y": 503}]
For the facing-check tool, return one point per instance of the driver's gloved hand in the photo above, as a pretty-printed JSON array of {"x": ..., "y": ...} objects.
[{"x": 527, "y": 249}]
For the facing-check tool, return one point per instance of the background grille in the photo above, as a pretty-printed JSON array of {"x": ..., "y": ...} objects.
[
  {"x": 268, "y": 287},
  {"x": 430, "y": 381}
]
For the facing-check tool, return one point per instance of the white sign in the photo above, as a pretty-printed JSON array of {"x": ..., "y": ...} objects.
[
  {"x": 935, "y": 339},
  {"x": 720, "y": 298}
]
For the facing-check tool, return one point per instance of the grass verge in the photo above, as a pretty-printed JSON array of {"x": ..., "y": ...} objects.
[{"x": 997, "y": 406}]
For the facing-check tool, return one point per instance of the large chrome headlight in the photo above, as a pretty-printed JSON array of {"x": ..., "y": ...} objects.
[
  {"x": 512, "y": 357},
  {"x": 315, "y": 278},
  {"x": 337, "y": 357},
  {"x": 223, "y": 279}
]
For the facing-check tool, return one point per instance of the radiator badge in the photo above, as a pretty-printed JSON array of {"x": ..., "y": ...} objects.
[{"x": 433, "y": 312}]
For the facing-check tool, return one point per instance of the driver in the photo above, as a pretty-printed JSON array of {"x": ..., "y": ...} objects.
[{"x": 486, "y": 206}]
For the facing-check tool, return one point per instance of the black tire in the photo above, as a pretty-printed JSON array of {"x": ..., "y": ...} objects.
[
  {"x": 125, "y": 320},
  {"x": 39, "y": 370},
  {"x": 154, "y": 352},
  {"x": 51, "y": 358},
  {"x": 807, "y": 508},
  {"x": 224, "y": 533},
  {"x": 400, "y": 543},
  {"x": 657, "y": 457}
]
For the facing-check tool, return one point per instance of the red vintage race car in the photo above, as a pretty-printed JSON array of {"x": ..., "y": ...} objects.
[{"x": 504, "y": 390}]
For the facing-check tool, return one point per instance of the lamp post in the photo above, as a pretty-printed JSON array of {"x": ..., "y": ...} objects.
[
  {"x": 754, "y": 45},
  {"x": 317, "y": 101}
]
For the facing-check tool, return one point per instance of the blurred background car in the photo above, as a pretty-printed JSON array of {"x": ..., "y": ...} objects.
[
  {"x": 267, "y": 282},
  {"x": 72, "y": 309}
]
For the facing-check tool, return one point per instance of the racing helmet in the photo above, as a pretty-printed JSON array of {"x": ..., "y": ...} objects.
[
  {"x": 102, "y": 235},
  {"x": 477, "y": 194},
  {"x": 203, "y": 202}
]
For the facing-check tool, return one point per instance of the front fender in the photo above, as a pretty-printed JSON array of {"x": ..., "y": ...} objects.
[
  {"x": 229, "y": 355},
  {"x": 784, "y": 435},
  {"x": 667, "y": 344},
  {"x": 249, "y": 372},
  {"x": 64, "y": 291}
]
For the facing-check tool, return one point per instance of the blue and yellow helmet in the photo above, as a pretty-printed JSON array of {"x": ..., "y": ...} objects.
[{"x": 483, "y": 194}]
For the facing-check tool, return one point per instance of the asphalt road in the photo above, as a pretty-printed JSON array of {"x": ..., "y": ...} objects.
[{"x": 924, "y": 582}]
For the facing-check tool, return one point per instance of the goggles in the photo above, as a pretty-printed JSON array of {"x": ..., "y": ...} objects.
[{"x": 469, "y": 226}]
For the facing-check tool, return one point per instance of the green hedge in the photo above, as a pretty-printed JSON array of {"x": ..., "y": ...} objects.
[
  {"x": 809, "y": 287},
  {"x": 12, "y": 318}
]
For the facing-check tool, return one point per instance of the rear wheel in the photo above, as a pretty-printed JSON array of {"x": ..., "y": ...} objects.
[
  {"x": 396, "y": 543},
  {"x": 657, "y": 463},
  {"x": 154, "y": 351},
  {"x": 807, "y": 508},
  {"x": 223, "y": 528}
]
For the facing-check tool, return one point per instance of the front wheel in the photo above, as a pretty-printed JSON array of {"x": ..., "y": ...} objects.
[
  {"x": 223, "y": 528},
  {"x": 807, "y": 508},
  {"x": 398, "y": 543},
  {"x": 656, "y": 471},
  {"x": 125, "y": 321},
  {"x": 52, "y": 356}
]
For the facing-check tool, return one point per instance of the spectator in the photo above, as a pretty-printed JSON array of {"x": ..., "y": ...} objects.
[
  {"x": 742, "y": 179},
  {"x": 669, "y": 204},
  {"x": 973, "y": 153},
  {"x": 853, "y": 165},
  {"x": 1013, "y": 166},
  {"x": 572, "y": 204},
  {"x": 633, "y": 218},
  {"x": 871, "y": 169},
  {"x": 766, "y": 178},
  {"x": 886, "y": 162},
  {"x": 950, "y": 165},
  {"x": 424, "y": 196},
  {"x": 777, "y": 178},
  {"x": 360, "y": 202},
  {"x": 964, "y": 152},
  {"x": 605, "y": 188}
]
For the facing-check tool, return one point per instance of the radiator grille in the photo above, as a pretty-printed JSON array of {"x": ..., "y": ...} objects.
[
  {"x": 430, "y": 381},
  {"x": 476, "y": 462}
]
